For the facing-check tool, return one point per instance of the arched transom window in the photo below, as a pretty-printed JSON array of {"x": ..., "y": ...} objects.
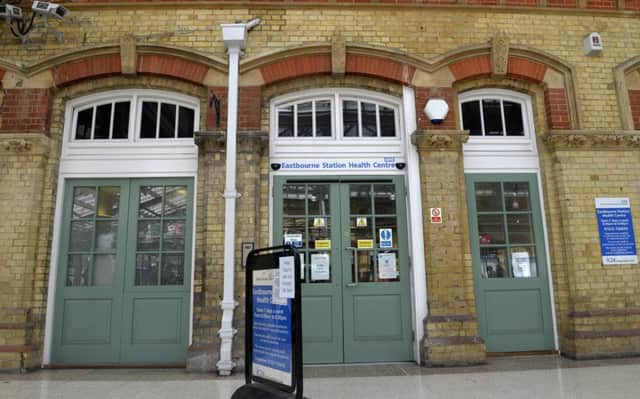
[
  {"x": 493, "y": 114},
  {"x": 341, "y": 114},
  {"x": 133, "y": 116},
  {"x": 501, "y": 129}
]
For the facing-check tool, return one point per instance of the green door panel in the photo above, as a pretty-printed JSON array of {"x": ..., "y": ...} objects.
[
  {"x": 512, "y": 295},
  {"x": 157, "y": 281},
  {"x": 297, "y": 206},
  {"x": 345, "y": 321},
  {"x": 88, "y": 308},
  {"x": 377, "y": 324},
  {"x": 108, "y": 310}
]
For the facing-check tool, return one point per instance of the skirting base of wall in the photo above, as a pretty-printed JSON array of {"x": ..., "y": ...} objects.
[
  {"x": 202, "y": 358},
  {"x": 453, "y": 351}
]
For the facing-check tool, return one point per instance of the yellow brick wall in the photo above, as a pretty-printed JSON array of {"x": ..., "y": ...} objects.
[
  {"x": 426, "y": 33},
  {"x": 22, "y": 160},
  {"x": 571, "y": 179}
]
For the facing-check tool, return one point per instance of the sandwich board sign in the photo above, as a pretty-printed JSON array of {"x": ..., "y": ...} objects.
[{"x": 273, "y": 338}]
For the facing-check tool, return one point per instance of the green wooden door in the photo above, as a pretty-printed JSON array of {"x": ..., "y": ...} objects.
[
  {"x": 124, "y": 272},
  {"x": 509, "y": 262},
  {"x": 355, "y": 292}
]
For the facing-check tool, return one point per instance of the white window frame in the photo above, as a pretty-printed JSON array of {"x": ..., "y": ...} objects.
[
  {"x": 94, "y": 106},
  {"x": 171, "y": 101},
  {"x": 337, "y": 145},
  {"x": 295, "y": 105},
  {"x": 135, "y": 97},
  {"x": 491, "y": 153},
  {"x": 119, "y": 157}
]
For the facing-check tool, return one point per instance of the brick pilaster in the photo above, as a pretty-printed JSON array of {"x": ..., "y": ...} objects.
[{"x": 451, "y": 330}]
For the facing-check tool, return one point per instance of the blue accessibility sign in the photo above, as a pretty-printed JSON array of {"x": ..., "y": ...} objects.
[{"x": 386, "y": 238}]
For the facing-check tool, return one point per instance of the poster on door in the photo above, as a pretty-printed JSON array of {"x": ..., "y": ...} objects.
[
  {"x": 387, "y": 268},
  {"x": 272, "y": 326},
  {"x": 320, "y": 267}
]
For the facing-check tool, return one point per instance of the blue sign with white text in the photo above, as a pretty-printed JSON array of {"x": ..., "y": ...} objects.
[
  {"x": 272, "y": 343},
  {"x": 386, "y": 238},
  {"x": 617, "y": 239}
]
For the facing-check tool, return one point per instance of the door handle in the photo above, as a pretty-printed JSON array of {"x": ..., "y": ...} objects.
[{"x": 355, "y": 267}]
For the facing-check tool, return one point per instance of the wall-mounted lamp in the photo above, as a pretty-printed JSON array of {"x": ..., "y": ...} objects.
[
  {"x": 275, "y": 166},
  {"x": 436, "y": 110},
  {"x": 21, "y": 24}
]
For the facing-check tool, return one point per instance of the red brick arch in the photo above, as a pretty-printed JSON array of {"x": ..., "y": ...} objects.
[
  {"x": 290, "y": 64},
  {"x": 480, "y": 66},
  {"x": 98, "y": 66}
]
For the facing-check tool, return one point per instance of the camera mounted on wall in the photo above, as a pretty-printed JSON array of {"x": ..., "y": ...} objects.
[{"x": 21, "y": 24}]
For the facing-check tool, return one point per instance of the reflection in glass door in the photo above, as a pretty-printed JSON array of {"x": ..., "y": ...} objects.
[{"x": 352, "y": 237}]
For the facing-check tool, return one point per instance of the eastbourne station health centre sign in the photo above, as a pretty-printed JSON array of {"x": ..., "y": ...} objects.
[
  {"x": 384, "y": 163},
  {"x": 617, "y": 239}
]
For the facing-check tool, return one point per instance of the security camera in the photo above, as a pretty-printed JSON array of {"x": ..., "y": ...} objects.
[
  {"x": 275, "y": 166},
  {"x": 47, "y": 9},
  {"x": 10, "y": 13}
]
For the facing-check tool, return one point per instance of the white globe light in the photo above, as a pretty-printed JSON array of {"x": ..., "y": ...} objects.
[{"x": 436, "y": 110}]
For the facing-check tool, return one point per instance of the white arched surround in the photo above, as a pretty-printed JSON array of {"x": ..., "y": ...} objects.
[
  {"x": 380, "y": 155},
  {"x": 127, "y": 158},
  {"x": 515, "y": 154}
]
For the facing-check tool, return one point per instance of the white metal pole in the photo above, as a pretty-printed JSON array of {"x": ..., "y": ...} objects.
[
  {"x": 234, "y": 37},
  {"x": 228, "y": 304}
]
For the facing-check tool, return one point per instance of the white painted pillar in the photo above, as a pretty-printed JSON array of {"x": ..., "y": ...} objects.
[
  {"x": 416, "y": 245},
  {"x": 234, "y": 37}
]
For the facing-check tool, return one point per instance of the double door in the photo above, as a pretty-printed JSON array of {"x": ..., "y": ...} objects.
[
  {"x": 123, "y": 289},
  {"x": 352, "y": 238}
]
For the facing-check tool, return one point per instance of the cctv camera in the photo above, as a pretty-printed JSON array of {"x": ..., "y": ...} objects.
[
  {"x": 275, "y": 166},
  {"x": 9, "y": 12},
  {"x": 47, "y": 9}
]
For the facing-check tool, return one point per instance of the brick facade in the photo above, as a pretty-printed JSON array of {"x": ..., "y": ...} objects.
[
  {"x": 25, "y": 111},
  {"x": 583, "y": 151}
]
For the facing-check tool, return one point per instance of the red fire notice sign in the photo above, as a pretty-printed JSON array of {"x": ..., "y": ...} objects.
[{"x": 436, "y": 215}]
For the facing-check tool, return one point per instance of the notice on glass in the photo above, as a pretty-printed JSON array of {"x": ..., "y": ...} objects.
[
  {"x": 387, "y": 266},
  {"x": 320, "y": 267},
  {"x": 323, "y": 244},
  {"x": 287, "y": 277},
  {"x": 521, "y": 265},
  {"x": 295, "y": 240}
]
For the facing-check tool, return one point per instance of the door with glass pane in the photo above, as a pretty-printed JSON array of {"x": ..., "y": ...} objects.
[
  {"x": 122, "y": 297},
  {"x": 156, "y": 296},
  {"x": 355, "y": 294},
  {"x": 509, "y": 262}
]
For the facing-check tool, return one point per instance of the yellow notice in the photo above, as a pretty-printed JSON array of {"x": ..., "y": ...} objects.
[
  {"x": 365, "y": 243},
  {"x": 323, "y": 244}
]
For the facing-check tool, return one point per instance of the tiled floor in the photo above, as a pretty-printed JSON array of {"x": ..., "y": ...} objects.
[{"x": 547, "y": 377}]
